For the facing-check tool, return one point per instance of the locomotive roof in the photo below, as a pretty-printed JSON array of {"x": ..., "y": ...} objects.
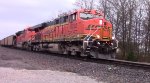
[
  {"x": 45, "y": 24},
  {"x": 19, "y": 33},
  {"x": 40, "y": 26}
]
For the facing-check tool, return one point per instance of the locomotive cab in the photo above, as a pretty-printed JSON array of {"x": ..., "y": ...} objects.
[{"x": 95, "y": 25}]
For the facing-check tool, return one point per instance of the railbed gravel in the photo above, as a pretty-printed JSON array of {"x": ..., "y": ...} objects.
[{"x": 106, "y": 73}]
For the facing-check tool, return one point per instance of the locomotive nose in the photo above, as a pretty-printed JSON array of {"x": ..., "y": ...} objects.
[{"x": 106, "y": 36}]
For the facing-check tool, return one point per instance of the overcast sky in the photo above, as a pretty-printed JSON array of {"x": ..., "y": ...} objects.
[{"x": 16, "y": 15}]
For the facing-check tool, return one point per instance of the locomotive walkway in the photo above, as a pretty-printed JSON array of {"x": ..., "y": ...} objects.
[{"x": 30, "y": 67}]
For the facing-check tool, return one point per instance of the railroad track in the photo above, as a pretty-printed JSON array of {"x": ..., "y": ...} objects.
[
  {"x": 139, "y": 65},
  {"x": 131, "y": 64}
]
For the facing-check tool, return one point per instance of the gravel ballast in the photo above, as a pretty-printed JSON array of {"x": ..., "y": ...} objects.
[{"x": 70, "y": 70}]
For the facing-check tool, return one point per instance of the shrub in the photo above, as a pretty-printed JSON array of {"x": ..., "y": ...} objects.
[{"x": 131, "y": 57}]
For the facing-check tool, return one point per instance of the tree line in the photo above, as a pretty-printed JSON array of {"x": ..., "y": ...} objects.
[{"x": 131, "y": 25}]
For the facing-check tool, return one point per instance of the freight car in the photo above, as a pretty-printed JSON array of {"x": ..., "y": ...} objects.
[
  {"x": 8, "y": 41},
  {"x": 82, "y": 33}
]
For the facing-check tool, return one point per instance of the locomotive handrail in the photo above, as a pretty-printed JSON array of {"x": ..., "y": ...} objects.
[
  {"x": 88, "y": 34},
  {"x": 88, "y": 37},
  {"x": 93, "y": 33}
]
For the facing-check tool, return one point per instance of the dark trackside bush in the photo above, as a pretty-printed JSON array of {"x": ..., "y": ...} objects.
[{"x": 131, "y": 56}]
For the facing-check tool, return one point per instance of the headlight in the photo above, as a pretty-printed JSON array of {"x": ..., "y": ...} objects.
[
  {"x": 98, "y": 36},
  {"x": 113, "y": 38},
  {"x": 101, "y": 22}
]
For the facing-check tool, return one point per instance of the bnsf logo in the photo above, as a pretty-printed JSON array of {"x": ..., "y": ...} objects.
[{"x": 93, "y": 27}]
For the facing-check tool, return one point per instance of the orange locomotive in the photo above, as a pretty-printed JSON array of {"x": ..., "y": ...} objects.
[
  {"x": 23, "y": 38},
  {"x": 82, "y": 33}
]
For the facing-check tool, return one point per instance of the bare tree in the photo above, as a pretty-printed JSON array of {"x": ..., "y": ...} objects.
[
  {"x": 86, "y": 4},
  {"x": 147, "y": 28},
  {"x": 131, "y": 23}
]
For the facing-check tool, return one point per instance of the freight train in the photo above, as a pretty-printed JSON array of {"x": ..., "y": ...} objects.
[{"x": 81, "y": 33}]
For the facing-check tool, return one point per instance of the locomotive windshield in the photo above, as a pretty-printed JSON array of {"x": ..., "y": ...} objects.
[{"x": 86, "y": 16}]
